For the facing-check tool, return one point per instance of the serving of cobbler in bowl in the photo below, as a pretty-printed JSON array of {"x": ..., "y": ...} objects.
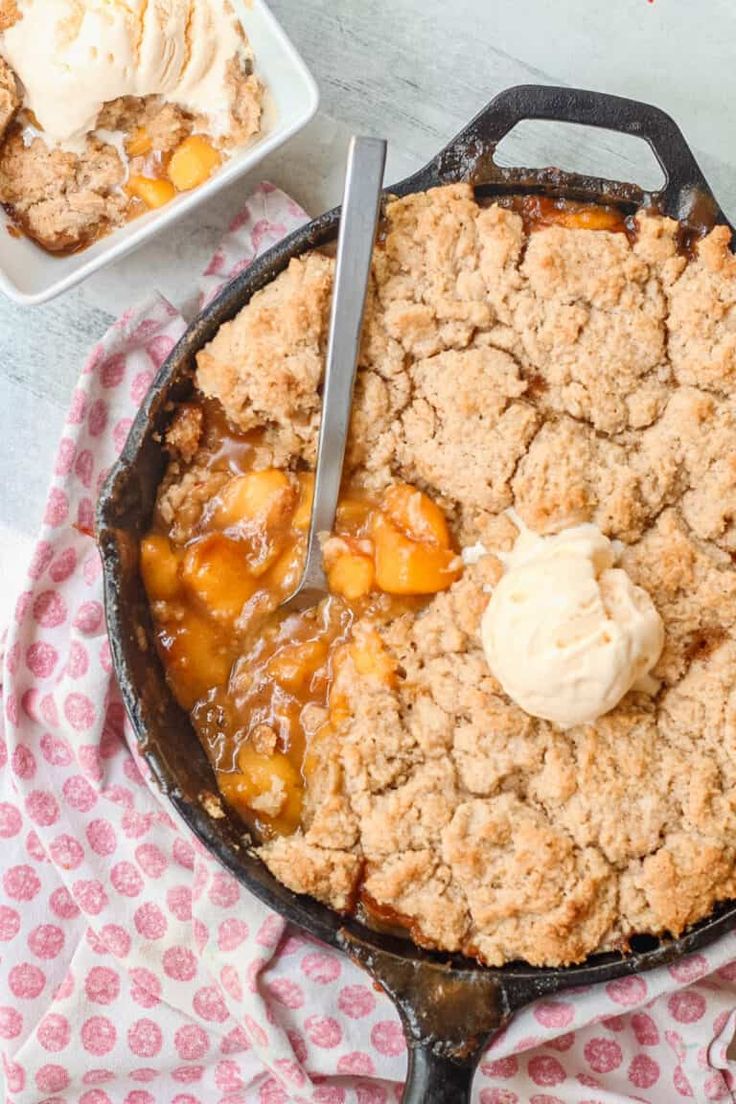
[
  {"x": 112, "y": 109},
  {"x": 119, "y": 117},
  {"x": 510, "y": 730}
]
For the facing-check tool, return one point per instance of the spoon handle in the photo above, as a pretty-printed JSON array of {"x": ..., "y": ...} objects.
[{"x": 358, "y": 221}]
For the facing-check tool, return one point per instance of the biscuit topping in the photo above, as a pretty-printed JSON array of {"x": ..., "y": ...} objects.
[
  {"x": 559, "y": 367},
  {"x": 567, "y": 633}
]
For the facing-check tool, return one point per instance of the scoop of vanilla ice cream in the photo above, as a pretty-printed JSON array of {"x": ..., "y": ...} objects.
[
  {"x": 73, "y": 56},
  {"x": 565, "y": 632}
]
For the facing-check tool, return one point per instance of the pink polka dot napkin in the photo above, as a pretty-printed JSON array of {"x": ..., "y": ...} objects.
[{"x": 134, "y": 969}]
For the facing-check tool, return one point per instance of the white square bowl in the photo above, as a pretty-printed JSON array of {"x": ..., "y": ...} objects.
[{"x": 30, "y": 275}]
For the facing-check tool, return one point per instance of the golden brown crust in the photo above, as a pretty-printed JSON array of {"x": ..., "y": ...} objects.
[
  {"x": 570, "y": 475},
  {"x": 559, "y": 374}
]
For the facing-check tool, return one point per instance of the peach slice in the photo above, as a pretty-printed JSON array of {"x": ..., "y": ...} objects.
[
  {"x": 215, "y": 569},
  {"x": 153, "y": 191},
  {"x": 405, "y": 566},
  {"x": 267, "y": 497},
  {"x": 303, "y": 512},
  {"x": 590, "y": 218},
  {"x": 160, "y": 568},
  {"x": 416, "y": 514},
  {"x": 351, "y": 576},
  {"x": 196, "y": 658},
  {"x": 268, "y": 786},
  {"x": 294, "y": 665},
  {"x": 139, "y": 143},
  {"x": 286, "y": 572},
  {"x": 193, "y": 162},
  {"x": 352, "y": 514}
]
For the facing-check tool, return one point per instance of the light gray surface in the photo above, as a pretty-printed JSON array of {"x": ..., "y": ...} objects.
[{"x": 414, "y": 72}]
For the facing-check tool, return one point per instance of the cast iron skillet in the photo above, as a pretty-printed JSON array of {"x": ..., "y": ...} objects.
[{"x": 449, "y": 1006}]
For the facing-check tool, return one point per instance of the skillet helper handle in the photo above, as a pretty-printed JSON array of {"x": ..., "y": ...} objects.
[{"x": 685, "y": 183}]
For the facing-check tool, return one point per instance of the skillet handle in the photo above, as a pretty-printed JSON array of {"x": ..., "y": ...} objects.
[
  {"x": 448, "y": 1015},
  {"x": 435, "y": 1079},
  {"x": 474, "y": 146}
]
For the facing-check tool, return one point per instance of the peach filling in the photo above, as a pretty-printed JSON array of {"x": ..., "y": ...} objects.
[
  {"x": 259, "y": 684},
  {"x": 155, "y": 181}
]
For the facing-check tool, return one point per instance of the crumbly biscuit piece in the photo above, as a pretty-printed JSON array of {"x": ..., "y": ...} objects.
[
  {"x": 165, "y": 124},
  {"x": 265, "y": 365},
  {"x": 9, "y": 96},
  {"x": 702, "y": 316},
  {"x": 427, "y": 270},
  {"x": 571, "y": 475},
  {"x": 330, "y": 876},
  {"x": 677, "y": 884},
  {"x": 377, "y": 404},
  {"x": 465, "y": 429},
  {"x": 418, "y": 884},
  {"x": 609, "y": 784},
  {"x": 185, "y": 432},
  {"x": 691, "y": 454},
  {"x": 699, "y": 712},
  {"x": 656, "y": 242},
  {"x": 184, "y": 493},
  {"x": 693, "y": 587},
  {"x": 411, "y": 815},
  {"x": 62, "y": 200},
  {"x": 557, "y": 909},
  {"x": 447, "y": 269},
  {"x": 591, "y": 322},
  {"x": 246, "y": 92}
]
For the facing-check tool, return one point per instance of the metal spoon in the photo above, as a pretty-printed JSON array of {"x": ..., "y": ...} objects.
[{"x": 358, "y": 221}]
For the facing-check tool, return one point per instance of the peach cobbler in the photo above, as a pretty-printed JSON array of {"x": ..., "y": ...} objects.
[
  {"x": 544, "y": 419},
  {"x": 109, "y": 109}
]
